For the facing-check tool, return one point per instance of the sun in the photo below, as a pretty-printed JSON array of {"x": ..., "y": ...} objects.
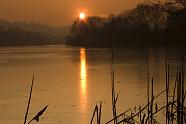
[{"x": 82, "y": 15}]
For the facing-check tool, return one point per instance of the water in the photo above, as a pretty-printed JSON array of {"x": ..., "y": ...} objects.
[{"x": 73, "y": 80}]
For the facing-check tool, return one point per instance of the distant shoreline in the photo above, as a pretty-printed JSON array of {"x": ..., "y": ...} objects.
[
  {"x": 44, "y": 44},
  {"x": 59, "y": 43}
]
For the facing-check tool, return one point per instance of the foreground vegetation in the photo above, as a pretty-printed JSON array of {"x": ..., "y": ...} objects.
[{"x": 173, "y": 109}]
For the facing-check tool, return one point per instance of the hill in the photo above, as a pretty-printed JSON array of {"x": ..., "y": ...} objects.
[{"x": 30, "y": 33}]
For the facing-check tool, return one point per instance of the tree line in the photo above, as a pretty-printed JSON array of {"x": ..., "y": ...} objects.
[{"x": 143, "y": 25}]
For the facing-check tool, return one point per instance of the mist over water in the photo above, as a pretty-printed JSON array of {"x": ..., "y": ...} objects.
[{"x": 73, "y": 80}]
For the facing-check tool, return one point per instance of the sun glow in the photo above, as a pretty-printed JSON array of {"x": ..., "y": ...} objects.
[{"x": 82, "y": 15}]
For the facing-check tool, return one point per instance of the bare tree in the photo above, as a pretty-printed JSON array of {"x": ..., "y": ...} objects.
[{"x": 168, "y": 6}]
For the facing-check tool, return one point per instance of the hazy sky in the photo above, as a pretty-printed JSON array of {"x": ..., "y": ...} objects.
[{"x": 59, "y": 12}]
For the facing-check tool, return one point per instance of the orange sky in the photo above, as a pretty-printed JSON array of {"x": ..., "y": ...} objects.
[{"x": 59, "y": 12}]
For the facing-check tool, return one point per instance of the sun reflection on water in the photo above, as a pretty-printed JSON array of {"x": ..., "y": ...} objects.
[{"x": 83, "y": 77}]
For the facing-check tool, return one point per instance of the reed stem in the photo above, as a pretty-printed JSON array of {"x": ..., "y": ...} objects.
[{"x": 29, "y": 100}]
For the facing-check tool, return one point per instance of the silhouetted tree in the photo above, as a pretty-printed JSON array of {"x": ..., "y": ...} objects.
[{"x": 144, "y": 25}]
